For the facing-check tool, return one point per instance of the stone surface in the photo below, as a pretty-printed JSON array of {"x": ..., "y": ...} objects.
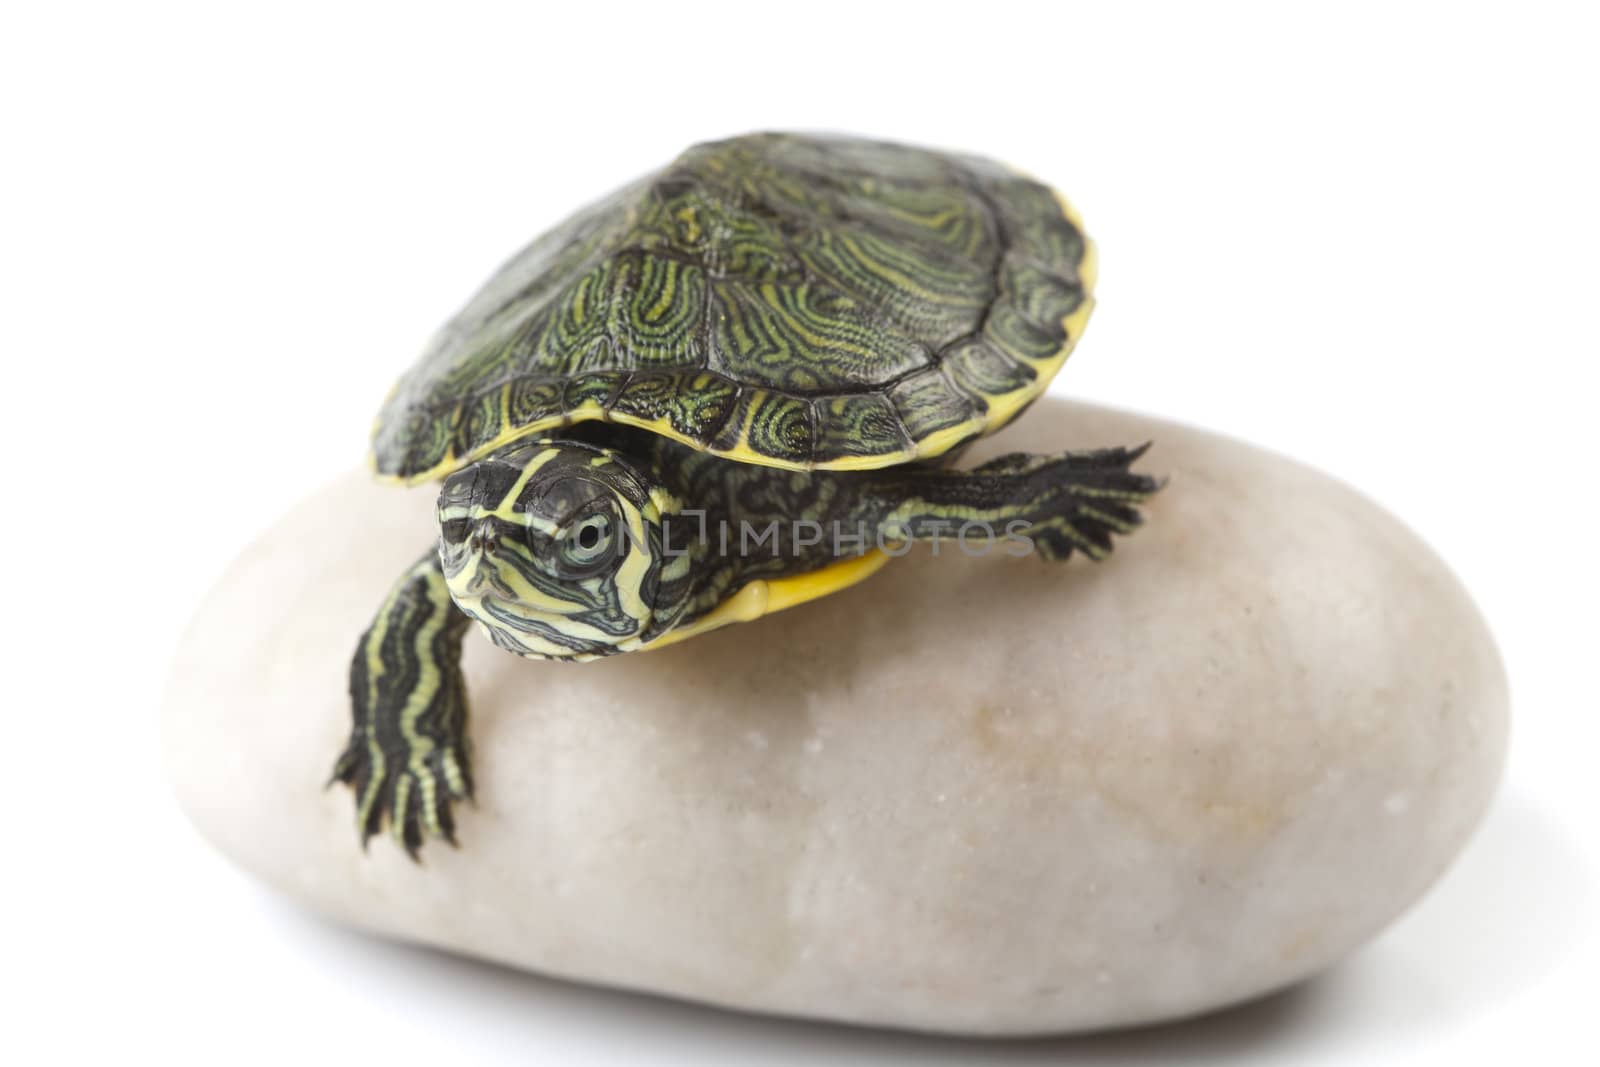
[{"x": 973, "y": 795}]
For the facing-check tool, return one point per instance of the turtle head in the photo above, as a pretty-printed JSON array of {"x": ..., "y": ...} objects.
[{"x": 558, "y": 549}]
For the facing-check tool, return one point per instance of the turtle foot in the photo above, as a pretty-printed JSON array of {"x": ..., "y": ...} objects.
[
  {"x": 408, "y": 757},
  {"x": 412, "y": 793}
]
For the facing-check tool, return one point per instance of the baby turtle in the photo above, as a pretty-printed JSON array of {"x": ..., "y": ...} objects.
[{"x": 726, "y": 389}]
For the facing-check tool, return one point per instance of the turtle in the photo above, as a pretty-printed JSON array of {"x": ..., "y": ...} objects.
[{"x": 728, "y": 388}]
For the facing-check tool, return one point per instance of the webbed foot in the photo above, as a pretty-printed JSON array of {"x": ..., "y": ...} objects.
[
  {"x": 1076, "y": 501},
  {"x": 1061, "y": 503},
  {"x": 408, "y": 756}
]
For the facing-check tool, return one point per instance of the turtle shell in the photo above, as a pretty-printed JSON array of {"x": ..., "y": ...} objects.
[{"x": 795, "y": 301}]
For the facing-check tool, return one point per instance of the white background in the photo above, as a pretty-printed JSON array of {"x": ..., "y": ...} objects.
[{"x": 1364, "y": 236}]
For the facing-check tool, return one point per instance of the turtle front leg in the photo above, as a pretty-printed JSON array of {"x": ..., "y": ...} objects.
[
  {"x": 407, "y": 759},
  {"x": 1059, "y": 503}
]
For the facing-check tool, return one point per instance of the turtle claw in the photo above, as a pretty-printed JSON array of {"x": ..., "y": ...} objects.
[
  {"x": 412, "y": 799},
  {"x": 407, "y": 759},
  {"x": 1077, "y": 501}
]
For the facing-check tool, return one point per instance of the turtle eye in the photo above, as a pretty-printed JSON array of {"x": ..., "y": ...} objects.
[{"x": 585, "y": 545}]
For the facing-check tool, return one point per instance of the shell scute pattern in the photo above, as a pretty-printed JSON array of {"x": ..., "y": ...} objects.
[
  {"x": 983, "y": 370},
  {"x": 693, "y": 404},
  {"x": 806, "y": 339},
  {"x": 858, "y": 424},
  {"x": 928, "y": 403},
  {"x": 785, "y": 300}
]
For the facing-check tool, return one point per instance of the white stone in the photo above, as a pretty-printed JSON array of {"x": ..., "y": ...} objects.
[{"x": 991, "y": 796}]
